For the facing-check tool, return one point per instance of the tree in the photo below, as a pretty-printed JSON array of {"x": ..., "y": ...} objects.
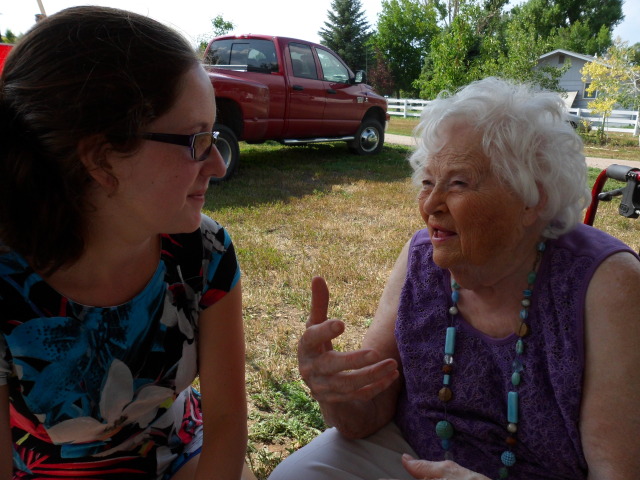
[
  {"x": 616, "y": 79},
  {"x": 380, "y": 77},
  {"x": 9, "y": 36},
  {"x": 219, "y": 27},
  {"x": 584, "y": 26},
  {"x": 346, "y": 32},
  {"x": 405, "y": 31},
  {"x": 449, "y": 65}
]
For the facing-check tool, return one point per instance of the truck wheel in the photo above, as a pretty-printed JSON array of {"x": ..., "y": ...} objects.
[
  {"x": 229, "y": 149},
  {"x": 369, "y": 139}
]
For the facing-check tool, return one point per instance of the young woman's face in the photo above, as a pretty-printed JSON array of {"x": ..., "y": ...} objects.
[
  {"x": 161, "y": 187},
  {"x": 471, "y": 216}
]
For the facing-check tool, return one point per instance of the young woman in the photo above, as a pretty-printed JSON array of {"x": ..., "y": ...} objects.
[{"x": 115, "y": 290}]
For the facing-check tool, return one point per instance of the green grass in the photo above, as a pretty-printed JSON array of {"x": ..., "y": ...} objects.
[{"x": 296, "y": 212}]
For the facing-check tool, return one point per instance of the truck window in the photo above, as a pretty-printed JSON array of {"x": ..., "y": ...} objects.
[
  {"x": 304, "y": 65},
  {"x": 333, "y": 70},
  {"x": 251, "y": 55}
]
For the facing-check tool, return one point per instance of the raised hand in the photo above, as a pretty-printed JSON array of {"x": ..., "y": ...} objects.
[{"x": 335, "y": 377}]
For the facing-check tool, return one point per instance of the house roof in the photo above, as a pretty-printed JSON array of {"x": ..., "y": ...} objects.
[{"x": 586, "y": 58}]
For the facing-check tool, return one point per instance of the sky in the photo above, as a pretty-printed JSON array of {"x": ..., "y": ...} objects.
[{"x": 288, "y": 18}]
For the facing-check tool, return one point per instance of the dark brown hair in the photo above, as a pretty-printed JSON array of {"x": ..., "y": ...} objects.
[{"x": 83, "y": 73}]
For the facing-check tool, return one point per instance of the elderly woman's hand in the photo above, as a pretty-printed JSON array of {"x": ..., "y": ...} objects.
[
  {"x": 446, "y": 470},
  {"x": 337, "y": 377}
]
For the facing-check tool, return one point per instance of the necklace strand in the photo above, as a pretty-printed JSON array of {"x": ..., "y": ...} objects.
[{"x": 444, "y": 428}]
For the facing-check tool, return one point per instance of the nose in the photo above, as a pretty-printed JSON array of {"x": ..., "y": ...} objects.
[
  {"x": 434, "y": 201},
  {"x": 215, "y": 165}
]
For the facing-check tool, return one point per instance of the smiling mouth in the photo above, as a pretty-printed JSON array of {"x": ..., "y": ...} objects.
[{"x": 439, "y": 234}]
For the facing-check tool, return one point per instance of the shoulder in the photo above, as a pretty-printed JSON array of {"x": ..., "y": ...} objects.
[
  {"x": 214, "y": 236},
  {"x": 585, "y": 240}
]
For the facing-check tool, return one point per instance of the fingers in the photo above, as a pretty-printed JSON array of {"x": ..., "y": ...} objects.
[
  {"x": 447, "y": 469},
  {"x": 338, "y": 376},
  {"x": 346, "y": 376},
  {"x": 319, "y": 301}
]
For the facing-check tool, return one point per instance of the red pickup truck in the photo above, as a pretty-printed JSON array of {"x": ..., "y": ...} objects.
[
  {"x": 290, "y": 91},
  {"x": 5, "y": 48}
]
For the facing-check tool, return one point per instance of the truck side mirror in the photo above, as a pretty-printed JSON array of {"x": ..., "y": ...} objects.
[{"x": 361, "y": 76}]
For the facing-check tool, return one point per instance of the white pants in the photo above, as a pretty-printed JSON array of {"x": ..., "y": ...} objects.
[{"x": 332, "y": 456}]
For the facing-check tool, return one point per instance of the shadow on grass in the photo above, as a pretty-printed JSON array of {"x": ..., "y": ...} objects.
[{"x": 275, "y": 173}]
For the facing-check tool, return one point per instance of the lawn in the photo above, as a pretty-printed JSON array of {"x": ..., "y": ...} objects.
[{"x": 296, "y": 212}]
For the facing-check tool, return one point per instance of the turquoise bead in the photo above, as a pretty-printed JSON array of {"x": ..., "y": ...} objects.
[
  {"x": 446, "y": 380},
  {"x": 524, "y": 314},
  {"x": 455, "y": 296},
  {"x": 527, "y": 293},
  {"x": 542, "y": 246},
  {"x": 515, "y": 378},
  {"x": 508, "y": 458},
  {"x": 512, "y": 407},
  {"x": 519, "y": 346},
  {"x": 446, "y": 444},
  {"x": 531, "y": 278},
  {"x": 450, "y": 341},
  {"x": 503, "y": 472},
  {"x": 444, "y": 429}
]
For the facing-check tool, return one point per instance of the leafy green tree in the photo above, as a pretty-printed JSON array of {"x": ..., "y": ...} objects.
[
  {"x": 583, "y": 26},
  {"x": 9, "y": 37},
  {"x": 449, "y": 65},
  {"x": 219, "y": 27},
  {"x": 346, "y": 32},
  {"x": 406, "y": 29}
]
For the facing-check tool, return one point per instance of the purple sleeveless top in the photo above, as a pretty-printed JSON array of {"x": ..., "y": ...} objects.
[{"x": 549, "y": 445}]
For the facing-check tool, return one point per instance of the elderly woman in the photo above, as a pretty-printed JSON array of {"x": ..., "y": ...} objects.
[{"x": 505, "y": 342}]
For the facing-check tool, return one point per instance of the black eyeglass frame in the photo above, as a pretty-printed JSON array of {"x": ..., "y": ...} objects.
[{"x": 185, "y": 140}]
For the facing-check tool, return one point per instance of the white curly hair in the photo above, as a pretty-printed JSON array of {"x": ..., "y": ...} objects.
[{"x": 526, "y": 136}]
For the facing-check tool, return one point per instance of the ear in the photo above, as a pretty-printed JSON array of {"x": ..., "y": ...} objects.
[
  {"x": 532, "y": 214},
  {"x": 93, "y": 152}
]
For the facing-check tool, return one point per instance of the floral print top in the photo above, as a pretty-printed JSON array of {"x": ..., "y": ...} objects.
[{"x": 100, "y": 392}]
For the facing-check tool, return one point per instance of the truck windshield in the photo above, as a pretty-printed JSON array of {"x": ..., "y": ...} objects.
[{"x": 251, "y": 55}]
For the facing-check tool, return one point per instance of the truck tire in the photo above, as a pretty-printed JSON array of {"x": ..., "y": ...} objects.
[
  {"x": 229, "y": 149},
  {"x": 369, "y": 139}
]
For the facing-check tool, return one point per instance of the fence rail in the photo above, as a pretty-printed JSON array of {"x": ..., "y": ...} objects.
[{"x": 625, "y": 121}]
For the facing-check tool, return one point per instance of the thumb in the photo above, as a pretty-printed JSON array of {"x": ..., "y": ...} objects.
[{"x": 319, "y": 301}]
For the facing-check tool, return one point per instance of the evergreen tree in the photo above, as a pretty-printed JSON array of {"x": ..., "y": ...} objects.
[{"x": 346, "y": 32}]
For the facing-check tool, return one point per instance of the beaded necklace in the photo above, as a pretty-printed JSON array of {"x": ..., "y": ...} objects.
[{"x": 444, "y": 429}]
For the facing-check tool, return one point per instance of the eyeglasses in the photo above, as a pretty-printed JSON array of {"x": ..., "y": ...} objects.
[{"x": 199, "y": 143}]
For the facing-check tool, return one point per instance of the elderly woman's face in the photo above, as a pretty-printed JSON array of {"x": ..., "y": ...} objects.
[{"x": 471, "y": 216}]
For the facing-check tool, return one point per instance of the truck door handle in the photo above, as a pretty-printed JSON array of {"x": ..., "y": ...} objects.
[
  {"x": 331, "y": 90},
  {"x": 298, "y": 87}
]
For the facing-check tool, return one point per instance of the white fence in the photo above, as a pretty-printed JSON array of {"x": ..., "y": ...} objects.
[
  {"x": 625, "y": 121},
  {"x": 405, "y": 107}
]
